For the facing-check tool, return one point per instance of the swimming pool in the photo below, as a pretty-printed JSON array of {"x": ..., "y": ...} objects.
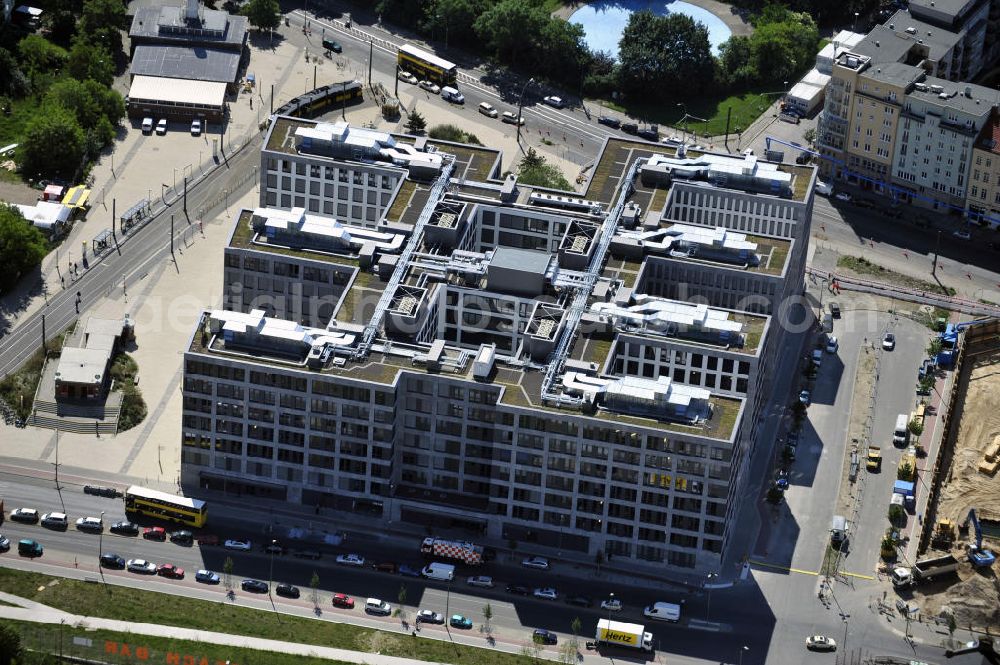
[{"x": 604, "y": 21}]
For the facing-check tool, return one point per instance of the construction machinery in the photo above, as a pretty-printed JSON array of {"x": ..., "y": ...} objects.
[
  {"x": 978, "y": 556},
  {"x": 944, "y": 534}
]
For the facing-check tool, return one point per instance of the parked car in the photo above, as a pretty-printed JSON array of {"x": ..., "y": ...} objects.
[
  {"x": 612, "y": 605},
  {"x": 821, "y": 643},
  {"x": 580, "y": 601},
  {"x": 609, "y": 121},
  {"x": 888, "y": 341},
  {"x": 512, "y": 118},
  {"x": 125, "y": 529},
  {"x": 96, "y": 490},
  {"x": 307, "y": 554},
  {"x": 287, "y": 590},
  {"x": 350, "y": 560},
  {"x": 545, "y": 593},
  {"x": 161, "y": 126},
  {"x": 537, "y": 562},
  {"x": 630, "y": 128},
  {"x": 171, "y": 571},
  {"x": 331, "y": 45},
  {"x": 207, "y": 577},
  {"x": 843, "y": 196},
  {"x": 407, "y": 77},
  {"x": 962, "y": 234},
  {"x": 805, "y": 397},
  {"x": 832, "y": 344},
  {"x": 154, "y": 533},
  {"x": 111, "y": 560},
  {"x": 182, "y": 537},
  {"x": 554, "y": 102},
  {"x": 488, "y": 110},
  {"x": 147, "y": 125},
  {"x": 55, "y": 520},
  {"x": 834, "y": 310},
  {"x": 24, "y": 515},
  {"x": 542, "y": 636},
  {"x": 28, "y": 547},
  {"x": 92, "y": 524},
  {"x": 429, "y": 616},
  {"x": 518, "y": 589},
  {"x": 378, "y": 606},
  {"x": 430, "y": 86},
  {"x": 196, "y": 127},
  {"x": 459, "y": 621},
  {"x": 254, "y": 586},
  {"x": 239, "y": 545},
  {"x": 482, "y": 581},
  {"x": 343, "y": 600},
  {"x": 4, "y": 544},
  {"x": 384, "y": 567},
  {"x": 141, "y": 566},
  {"x": 409, "y": 571},
  {"x": 650, "y": 133},
  {"x": 274, "y": 547}
]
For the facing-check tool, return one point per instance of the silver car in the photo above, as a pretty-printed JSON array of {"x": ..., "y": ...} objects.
[{"x": 141, "y": 566}]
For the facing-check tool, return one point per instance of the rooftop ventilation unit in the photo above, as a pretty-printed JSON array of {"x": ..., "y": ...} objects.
[{"x": 911, "y": 31}]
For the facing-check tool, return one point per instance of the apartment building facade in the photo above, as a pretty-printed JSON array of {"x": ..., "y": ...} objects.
[{"x": 984, "y": 182}]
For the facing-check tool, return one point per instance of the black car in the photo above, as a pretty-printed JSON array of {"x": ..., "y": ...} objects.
[
  {"x": 254, "y": 586},
  {"x": 803, "y": 158},
  {"x": 97, "y": 490},
  {"x": 287, "y": 590},
  {"x": 182, "y": 537},
  {"x": 110, "y": 560},
  {"x": 331, "y": 45},
  {"x": 608, "y": 121},
  {"x": 274, "y": 548},
  {"x": 4, "y": 543},
  {"x": 125, "y": 529},
  {"x": 630, "y": 128},
  {"x": 542, "y": 636},
  {"x": 650, "y": 133},
  {"x": 518, "y": 589},
  {"x": 580, "y": 601},
  {"x": 307, "y": 554}
]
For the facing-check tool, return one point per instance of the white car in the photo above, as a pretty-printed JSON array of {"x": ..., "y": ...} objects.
[
  {"x": 817, "y": 358},
  {"x": 430, "y": 86},
  {"x": 55, "y": 520},
  {"x": 482, "y": 581},
  {"x": 821, "y": 643},
  {"x": 406, "y": 77},
  {"x": 239, "y": 545},
  {"x": 538, "y": 562},
  {"x": 611, "y": 605},
  {"x": 147, "y": 125},
  {"x": 351, "y": 560},
  {"x": 555, "y": 102},
  {"x": 842, "y": 196},
  {"x": 161, "y": 126},
  {"x": 429, "y": 616},
  {"x": 832, "y": 344},
  {"x": 488, "y": 110},
  {"x": 196, "y": 127},
  {"x": 141, "y": 566},
  {"x": 962, "y": 235},
  {"x": 95, "y": 524},
  {"x": 546, "y": 593},
  {"x": 805, "y": 397},
  {"x": 511, "y": 118},
  {"x": 888, "y": 341}
]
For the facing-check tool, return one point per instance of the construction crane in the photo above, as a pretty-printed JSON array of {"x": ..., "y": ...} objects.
[{"x": 978, "y": 557}]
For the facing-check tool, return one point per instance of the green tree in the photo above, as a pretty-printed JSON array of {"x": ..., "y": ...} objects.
[
  {"x": 561, "y": 52},
  {"x": 10, "y": 645},
  {"x": 664, "y": 56},
  {"x": 90, "y": 61},
  {"x": 101, "y": 22},
  {"x": 533, "y": 170},
  {"x": 13, "y": 82},
  {"x": 403, "y": 12},
  {"x": 314, "y": 585},
  {"x": 734, "y": 62},
  {"x": 916, "y": 427},
  {"x": 416, "y": 123},
  {"x": 781, "y": 49},
  {"x": 809, "y": 135},
  {"x": 934, "y": 347},
  {"x": 227, "y": 572},
  {"x": 510, "y": 28},
  {"x": 52, "y": 144},
  {"x": 40, "y": 56},
  {"x": 263, "y": 14},
  {"x": 487, "y": 616},
  {"x": 22, "y": 246},
  {"x": 401, "y": 597},
  {"x": 896, "y": 514},
  {"x": 452, "y": 20}
]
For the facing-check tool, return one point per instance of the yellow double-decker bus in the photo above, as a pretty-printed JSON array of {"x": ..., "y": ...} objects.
[
  {"x": 161, "y": 505},
  {"x": 426, "y": 65}
]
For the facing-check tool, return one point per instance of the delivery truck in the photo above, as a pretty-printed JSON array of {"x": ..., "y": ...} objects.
[
  {"x": 924, "y": 570},
  {"x": 617, "y": 633},
  {"x": 444, "y": 572},
  {"x": 453, "y": 549}
]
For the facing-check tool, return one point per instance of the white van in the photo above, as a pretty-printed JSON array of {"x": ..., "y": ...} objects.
[
  {"x": 452, "y": 95},
  {"x": 838, "y": 529},
  {"x": 439, "y": 571},
  {"x": 901, "y": 433},
  {"x": 663, "y": 612},
  {"x": 824, "y": 188}
]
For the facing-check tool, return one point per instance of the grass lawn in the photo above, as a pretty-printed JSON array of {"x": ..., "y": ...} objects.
[
  {"x": 139, "y": 606},
  {"x": 12, "y": 126},
  {"x": 746, "y": 108},
  {"x": 866, "y": 268},
  {"x": 130, "y": 647}
]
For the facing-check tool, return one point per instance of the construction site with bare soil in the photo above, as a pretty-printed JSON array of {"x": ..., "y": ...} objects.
[{"x": 965, "y": 480}]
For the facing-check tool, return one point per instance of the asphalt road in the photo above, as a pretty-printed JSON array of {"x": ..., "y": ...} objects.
[{"x": 138, "y": 254}]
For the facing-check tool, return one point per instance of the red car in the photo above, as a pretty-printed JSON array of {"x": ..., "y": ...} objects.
[
  {"x": 154, "y": 533},
  {"x": 171, "y": 571},
  {"x": 343, "y": 600}
]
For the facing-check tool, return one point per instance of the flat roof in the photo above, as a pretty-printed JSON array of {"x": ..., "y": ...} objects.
[
  {"x": 167, "y": 24},
  {"x": 78, "y": 365},
  {"x": 198, "y": 63},
  {"x": 177, "y": 91},
  {"x": 524, "y": 260}
]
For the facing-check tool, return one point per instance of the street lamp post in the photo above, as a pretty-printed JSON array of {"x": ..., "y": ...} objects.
[
  {"x": 520, "y": 105},
  {"x": 708, "y": 591},
  {"x": 270, "y": 574},
  {"x": 684, "y": 119},
  {"x": 742, "y": 650},
  {"x": 100, "y": 537}
]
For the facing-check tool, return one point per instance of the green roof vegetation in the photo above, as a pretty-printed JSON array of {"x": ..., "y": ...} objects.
[
  {"x": 773, "y": 253},
  {"x": 401, "y": 201}
]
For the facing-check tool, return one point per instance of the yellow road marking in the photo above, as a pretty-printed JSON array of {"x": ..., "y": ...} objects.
[
  {"x": 858, "y": 575},
  {"x": 791, "y": 570}
]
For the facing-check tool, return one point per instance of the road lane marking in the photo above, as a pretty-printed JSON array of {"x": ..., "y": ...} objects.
[
  {"x": 858, "y": 575},
  {"x": 776, "y": 566}
]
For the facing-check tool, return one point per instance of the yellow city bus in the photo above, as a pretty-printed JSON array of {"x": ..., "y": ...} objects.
[
  {"x": 161, "y": 505},
  {"x": 426, "y": 65}
]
